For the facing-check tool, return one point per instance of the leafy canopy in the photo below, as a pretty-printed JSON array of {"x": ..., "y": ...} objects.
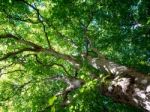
[{"x": 118, "y": 29}]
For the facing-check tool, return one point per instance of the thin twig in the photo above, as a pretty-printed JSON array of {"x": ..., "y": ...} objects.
[
  {"x": 52, "y": 64},
  {"x": 15, "y": 53},
  {"x": 39, "y": 17},
  {"x": 11, "y": 72}
]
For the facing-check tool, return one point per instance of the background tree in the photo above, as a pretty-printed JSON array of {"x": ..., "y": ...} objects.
[{"x": 55, "y": 55}]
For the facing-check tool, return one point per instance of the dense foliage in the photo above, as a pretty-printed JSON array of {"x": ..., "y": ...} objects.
[{"x": 118, "y": 29}]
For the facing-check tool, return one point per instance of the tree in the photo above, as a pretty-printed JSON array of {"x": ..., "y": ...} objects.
[{"x": 74, "y": 55}]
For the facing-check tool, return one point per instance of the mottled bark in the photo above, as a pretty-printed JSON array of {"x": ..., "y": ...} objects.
[{"x": 123, "y": 84}]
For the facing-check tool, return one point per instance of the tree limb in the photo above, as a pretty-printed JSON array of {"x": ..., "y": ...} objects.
[{"x": 38, "y": 48}]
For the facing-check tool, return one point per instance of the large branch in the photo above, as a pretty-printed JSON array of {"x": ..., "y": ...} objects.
[
  {"x": 38, "y": 48},
  {"x": 66, "y": 57}
]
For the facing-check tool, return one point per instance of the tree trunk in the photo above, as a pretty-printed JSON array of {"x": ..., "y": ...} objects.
[{"x": 123, "y": 84}]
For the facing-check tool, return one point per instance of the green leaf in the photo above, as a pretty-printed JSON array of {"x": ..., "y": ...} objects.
[
  {"x": 10, "y": 1},
  {"x": 51, "y": 100},
  {"x": 53, "y": 109}
]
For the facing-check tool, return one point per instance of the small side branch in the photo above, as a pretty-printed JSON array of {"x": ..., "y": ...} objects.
[
  {"x": 9, "y": 72},
  {"x": 17, "y": 18},
  {"x": 20, "y": 39},
  {"x": 51, "y": 64},
  {"x": 40, "y": 19},
  {"x": 6, "y": 66},
  {"x": 15, "y": 53}
]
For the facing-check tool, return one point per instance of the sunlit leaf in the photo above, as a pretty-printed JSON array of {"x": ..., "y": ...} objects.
[{"x": 52, "y": 100}]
